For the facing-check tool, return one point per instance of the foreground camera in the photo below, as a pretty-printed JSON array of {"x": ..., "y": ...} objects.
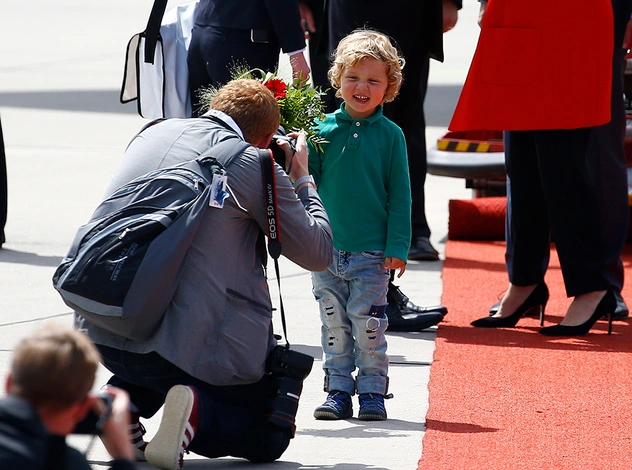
[
  {"x": 292, "y": 368},
  {"x": 277, "y": 152},
  {"x": 93, "y": 423}
]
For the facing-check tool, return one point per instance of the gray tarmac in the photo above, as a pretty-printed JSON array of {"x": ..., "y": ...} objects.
[{"x": 65, "y": 131}]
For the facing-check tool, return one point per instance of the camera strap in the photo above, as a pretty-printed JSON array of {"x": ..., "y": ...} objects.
[{"x": 272, "y": 225}]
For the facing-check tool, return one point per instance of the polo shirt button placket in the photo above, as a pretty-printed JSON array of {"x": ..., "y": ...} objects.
[{"x": 354, "y": 142}]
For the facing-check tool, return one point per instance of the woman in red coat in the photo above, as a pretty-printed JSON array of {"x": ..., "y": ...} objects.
[{"x": 543, "y": 70}]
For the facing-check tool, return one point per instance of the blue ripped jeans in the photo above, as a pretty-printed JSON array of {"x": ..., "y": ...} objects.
[{"x": 351, "y": 296}]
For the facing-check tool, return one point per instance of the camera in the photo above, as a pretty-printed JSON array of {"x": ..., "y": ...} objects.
[
  {"x": 277, "y": 152},
  {"x": 94, "y": 423},
  {"x": 292, "y": 368}
]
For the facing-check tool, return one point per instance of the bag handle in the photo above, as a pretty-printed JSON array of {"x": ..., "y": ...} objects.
[{"x": 152, "y": 31}]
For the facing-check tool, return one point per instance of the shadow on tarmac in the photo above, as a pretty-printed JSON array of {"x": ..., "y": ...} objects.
[
  {"x": 240, "y": 464},
  {"x": 440, "y": 102},
  {"x": 23, "y": 257},
  {"x": 98, "y": 101}
]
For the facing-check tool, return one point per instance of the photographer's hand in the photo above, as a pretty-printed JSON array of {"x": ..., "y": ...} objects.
[{"x": 115, "y": 435}]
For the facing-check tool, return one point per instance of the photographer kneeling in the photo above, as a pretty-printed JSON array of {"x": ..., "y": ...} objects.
[
  {"x": 48, "y": 394},
  {"x": 207, "y": 361}
]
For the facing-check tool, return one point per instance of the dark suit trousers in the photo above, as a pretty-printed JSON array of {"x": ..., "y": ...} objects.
[
  {"x": 214, "y": 52},
  {"x": 554, "y": 192},
  {"x": 407, "y": 111}
]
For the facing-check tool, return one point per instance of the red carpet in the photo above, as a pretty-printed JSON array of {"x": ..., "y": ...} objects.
[{"x": 514, "y": 399}]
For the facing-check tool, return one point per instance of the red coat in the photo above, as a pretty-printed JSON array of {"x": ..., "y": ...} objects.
[{"x": 539, "y": 64}]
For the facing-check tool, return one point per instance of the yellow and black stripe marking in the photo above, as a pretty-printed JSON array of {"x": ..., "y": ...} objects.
[{"x": 463, "y": 146}]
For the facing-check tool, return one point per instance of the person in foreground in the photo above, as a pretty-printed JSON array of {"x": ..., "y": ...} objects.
[
  {"x": 362, "y": 175},
  {"x": 207, "y": 361},
  {"x": 48, "y": 394},
  {"x": 556, "y": 187}
]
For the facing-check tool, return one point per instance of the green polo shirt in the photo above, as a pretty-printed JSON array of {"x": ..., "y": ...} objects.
[{"x": 362, "y": 178}]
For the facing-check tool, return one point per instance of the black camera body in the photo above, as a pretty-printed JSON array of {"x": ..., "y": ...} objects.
[
  {"x": 277, "y": 152},
  {"x": 94, "y": 423},
  {"x": 292, "y": 367}
]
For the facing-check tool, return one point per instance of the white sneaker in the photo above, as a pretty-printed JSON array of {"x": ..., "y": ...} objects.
[{"x": 177, "y": 429}]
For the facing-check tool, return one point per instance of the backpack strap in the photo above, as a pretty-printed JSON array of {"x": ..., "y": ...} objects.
[
  {"x": 225, "y": 151},
  {"x": 152, "y": 123}
]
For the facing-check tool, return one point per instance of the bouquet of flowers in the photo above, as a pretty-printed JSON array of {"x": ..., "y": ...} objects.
[{"x": 299, "y": 103}]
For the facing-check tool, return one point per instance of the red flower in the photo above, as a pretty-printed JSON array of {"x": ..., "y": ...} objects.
[{"x": 277, "y": 87}]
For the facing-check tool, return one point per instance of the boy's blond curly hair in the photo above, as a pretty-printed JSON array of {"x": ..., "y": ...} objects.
[{"x": 362, "y": 44}]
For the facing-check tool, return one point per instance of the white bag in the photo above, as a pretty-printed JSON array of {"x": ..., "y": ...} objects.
[{"x": 161, "y": 87}]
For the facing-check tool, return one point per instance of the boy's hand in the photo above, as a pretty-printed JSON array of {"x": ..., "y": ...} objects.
[
  {"x": 297, "y": 161},
  {"x": 395, "y": 263}
]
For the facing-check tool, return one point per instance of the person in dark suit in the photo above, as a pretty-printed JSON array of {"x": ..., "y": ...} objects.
[
  {"x": 243, "y": 32},
  {"x": 418, "y": 29}
]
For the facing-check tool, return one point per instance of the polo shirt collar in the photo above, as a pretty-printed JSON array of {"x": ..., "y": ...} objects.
[{"x": 342, "y": 114}]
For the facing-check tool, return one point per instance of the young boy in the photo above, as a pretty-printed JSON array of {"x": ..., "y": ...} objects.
[{"x": 362, "y": 178}]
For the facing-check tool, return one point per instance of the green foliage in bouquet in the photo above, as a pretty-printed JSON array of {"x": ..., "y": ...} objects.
[{"x": 300, "y": 104}]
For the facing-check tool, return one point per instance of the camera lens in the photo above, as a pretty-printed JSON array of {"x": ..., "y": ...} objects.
[
  {"x": 93, "y": 423},
  {"x": 277, "y": 152},
  {"x": 285, "y": 404},
  {"x": 292, "y": 368}
]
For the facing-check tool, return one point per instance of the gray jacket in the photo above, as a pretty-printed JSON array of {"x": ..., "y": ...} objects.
[{"x": 218, "y": 327}]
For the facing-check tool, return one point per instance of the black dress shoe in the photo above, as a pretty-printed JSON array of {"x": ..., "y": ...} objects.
[
  {"x": 422, "y": 250},
  {"x": 397, "y": 297},
  {"x": 411, "y": 322}
]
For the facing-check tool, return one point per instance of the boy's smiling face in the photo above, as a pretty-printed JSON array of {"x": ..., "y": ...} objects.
[{"x": 363, "y": 86}]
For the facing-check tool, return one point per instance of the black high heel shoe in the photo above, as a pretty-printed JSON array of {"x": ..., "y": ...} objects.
[
  {"x": 606, "y": 306},
  {"x": 536, "y": 300}
]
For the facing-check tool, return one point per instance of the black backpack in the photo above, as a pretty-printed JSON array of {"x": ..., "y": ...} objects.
[{"x": 123, "y": 266}]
